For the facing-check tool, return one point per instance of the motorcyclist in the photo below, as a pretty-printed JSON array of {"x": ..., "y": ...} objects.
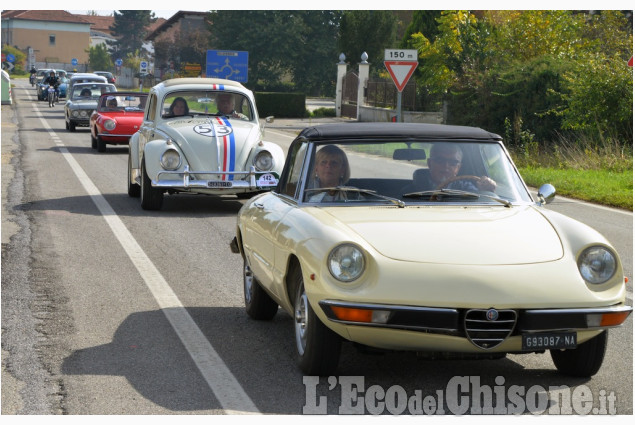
[
  {"x": 53, "y": 80},
  {"x": 33, "y": 75}
]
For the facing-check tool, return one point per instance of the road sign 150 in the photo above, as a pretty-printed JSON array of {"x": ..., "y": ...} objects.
[{"x": 409, "y": 55}]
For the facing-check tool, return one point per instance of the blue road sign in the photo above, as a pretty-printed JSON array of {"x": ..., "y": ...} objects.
[
  {"x": 228, "y": 64},
  {"x": 10, "y": 58},
  {"x": 118, "y": 62},
  {"x": 74, "y": 62}
]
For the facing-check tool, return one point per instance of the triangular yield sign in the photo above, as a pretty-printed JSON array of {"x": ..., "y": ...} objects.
[{"x": 400, "y": 72}]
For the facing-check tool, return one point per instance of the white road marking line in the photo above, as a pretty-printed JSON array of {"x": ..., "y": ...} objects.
[{"x": 221, "y": 381}]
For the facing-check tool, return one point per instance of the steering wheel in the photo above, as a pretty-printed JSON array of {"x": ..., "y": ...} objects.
[{"x": 474, "y": 179}]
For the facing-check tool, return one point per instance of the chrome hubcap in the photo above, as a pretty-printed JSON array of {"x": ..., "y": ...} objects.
[
  {"x": 301, "y": 322},
  {"x": 248, "y": 279}
]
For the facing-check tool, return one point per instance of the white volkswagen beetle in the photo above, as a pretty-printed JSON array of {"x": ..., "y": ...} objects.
[{"x": 200, "y": 135}]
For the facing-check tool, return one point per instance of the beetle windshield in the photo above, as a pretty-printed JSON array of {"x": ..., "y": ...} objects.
[
  {"x": 207, "y": 102},
  {"x": 410, "y": 173}
]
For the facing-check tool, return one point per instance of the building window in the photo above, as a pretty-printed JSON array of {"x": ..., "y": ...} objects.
[{"x": 52, "y": 40}]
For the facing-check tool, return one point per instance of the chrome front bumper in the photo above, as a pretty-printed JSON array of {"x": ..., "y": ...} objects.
[{"x": 192, "y": 180}]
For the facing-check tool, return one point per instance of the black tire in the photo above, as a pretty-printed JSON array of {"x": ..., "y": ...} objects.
[
  {"x": 258, "y": 303},
  {"x": 317, "y": 347},
  {"x": 134, "y": 190},
  {"x": 93, "y": 140},
  {"x": 101, "y": 145},
  {"x": 151, "y": 198},
  {"x": 583, "y": 361},
  {"x": 51, "y": 99},
  {"x": 71, "y": 126},
  {"x": 66, "y": 124}
]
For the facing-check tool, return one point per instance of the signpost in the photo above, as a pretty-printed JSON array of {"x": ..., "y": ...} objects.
[
  {"x": 400, "y": 64},
  {"x": 228, "y": 64},
  {"x": 10, "y": 60}
]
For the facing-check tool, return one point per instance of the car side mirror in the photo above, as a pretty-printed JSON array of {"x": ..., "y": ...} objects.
[
  {"x": 268, "y": 120},
  {"x": 546, "y": 194}
]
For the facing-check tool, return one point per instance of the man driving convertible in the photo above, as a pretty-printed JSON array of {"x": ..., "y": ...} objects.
[{"x": 443, "y": 166}]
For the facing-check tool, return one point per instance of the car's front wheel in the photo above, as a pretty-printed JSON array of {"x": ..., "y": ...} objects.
[
  {"x": 583, "y": 361},
  {"x": 317, "y": 347},
  {"x": 151, "y": 197},
  {"x": 101, "y": 145},
  {"x": 134, "y": 190},
  {"x": 93, "y": 139},
  {"x": 258, "y": 303}
]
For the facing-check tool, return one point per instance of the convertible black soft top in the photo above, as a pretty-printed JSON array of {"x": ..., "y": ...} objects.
[{"x": 371, "y": 130}]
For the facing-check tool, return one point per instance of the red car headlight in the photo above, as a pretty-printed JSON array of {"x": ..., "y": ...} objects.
[{"x": 110, "y": 125}]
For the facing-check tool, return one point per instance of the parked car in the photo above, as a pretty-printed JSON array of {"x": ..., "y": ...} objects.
[
  {"x": 6, "y": 88},
  {"x": 424, "y": 237},
  {"x": 111, "y": 78},
  {"x": 117, "y": 117},
  {"x": 187, "y": 144},
  {"x": 82, "y": 102}
]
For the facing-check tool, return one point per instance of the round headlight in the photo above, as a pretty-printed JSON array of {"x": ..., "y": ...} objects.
[
  {"x": 597, "y": 264},
  {"x": 346, "y": 262},
  {"x": 75, "y": 113},
  {"x": 263, "y": 161},
  {"x": 170, "y": 160},
  {"x": 110, "y": 125}
]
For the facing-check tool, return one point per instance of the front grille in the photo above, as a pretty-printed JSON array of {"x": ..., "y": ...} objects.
[{"x": 489, "y": 328}]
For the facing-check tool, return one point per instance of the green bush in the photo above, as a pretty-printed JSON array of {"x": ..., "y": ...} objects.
[{"x": 282, "y": 105}]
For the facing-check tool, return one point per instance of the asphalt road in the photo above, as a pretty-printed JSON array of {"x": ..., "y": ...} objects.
[{"x": 109, "y": 309}]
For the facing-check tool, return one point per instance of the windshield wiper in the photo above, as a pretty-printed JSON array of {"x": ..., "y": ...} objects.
[
  {"x": 435, "y": 194},
  {"x": 397, "y": 202}
]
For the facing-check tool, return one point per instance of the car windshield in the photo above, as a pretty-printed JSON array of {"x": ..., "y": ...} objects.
[
  {"x": 409, "y": 173},
  {"x": 208, "y": 103},
  {"x": 122, "y": 103},
  {"x": 90, "y": 91}
]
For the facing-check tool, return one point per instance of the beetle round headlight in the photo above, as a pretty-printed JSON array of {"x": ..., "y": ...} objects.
[
  {"x": 263, "y": 161},
  {"x": 75, "y": 113},
  {"x": 170, "y": 160},
  {"x": 110, "y": 125},
  {"x": 597, "y": 264},
  {"x": 346, "y": 262}
]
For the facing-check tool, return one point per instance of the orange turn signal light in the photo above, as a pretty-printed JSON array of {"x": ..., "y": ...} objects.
[
  {"x": 353, "y": 314},
  {"x": 614, "y": 319}
]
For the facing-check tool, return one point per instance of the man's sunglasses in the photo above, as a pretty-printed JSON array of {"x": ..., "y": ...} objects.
[{"x": 447, "y": 161}]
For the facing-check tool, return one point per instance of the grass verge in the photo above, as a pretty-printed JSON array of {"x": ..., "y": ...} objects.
[{"x": 599, "y": 186}]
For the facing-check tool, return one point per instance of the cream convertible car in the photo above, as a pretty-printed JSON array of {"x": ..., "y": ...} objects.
[
  {"x": 200, "y": 135},
  {"x": 424, "y": 237}
]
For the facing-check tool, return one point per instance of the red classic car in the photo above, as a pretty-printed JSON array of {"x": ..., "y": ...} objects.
[{"x": 117, "y": 117}]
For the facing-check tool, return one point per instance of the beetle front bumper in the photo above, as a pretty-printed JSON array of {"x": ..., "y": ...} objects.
[{"x": 250, "y": 180}]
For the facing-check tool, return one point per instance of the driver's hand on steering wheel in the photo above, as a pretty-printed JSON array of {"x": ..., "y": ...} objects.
[{"x": 486, "y": 184}]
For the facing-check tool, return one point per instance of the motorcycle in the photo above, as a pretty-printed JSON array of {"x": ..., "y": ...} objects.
[
  {"x": 32, "y": 80},
  {"x": 52, "y": 96}
]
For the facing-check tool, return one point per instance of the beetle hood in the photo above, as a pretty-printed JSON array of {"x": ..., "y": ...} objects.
[
  {"x": 468, "y": 236},
  {"x": 197, "y": 136}
]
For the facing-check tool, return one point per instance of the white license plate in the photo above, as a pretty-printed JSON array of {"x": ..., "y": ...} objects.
[
  {"x": 219, "y": 183},
  {"x": 549, "y": 340}
]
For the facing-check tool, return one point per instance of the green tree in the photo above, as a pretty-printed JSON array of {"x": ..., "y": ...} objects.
[
  {"x": 370, "y": 31},
  {"x": 424, "y": 22},
  {"x": 130, "y": 28},
  {"x": 99, "y": 58},
  {"x": 285, "y": 47}
]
